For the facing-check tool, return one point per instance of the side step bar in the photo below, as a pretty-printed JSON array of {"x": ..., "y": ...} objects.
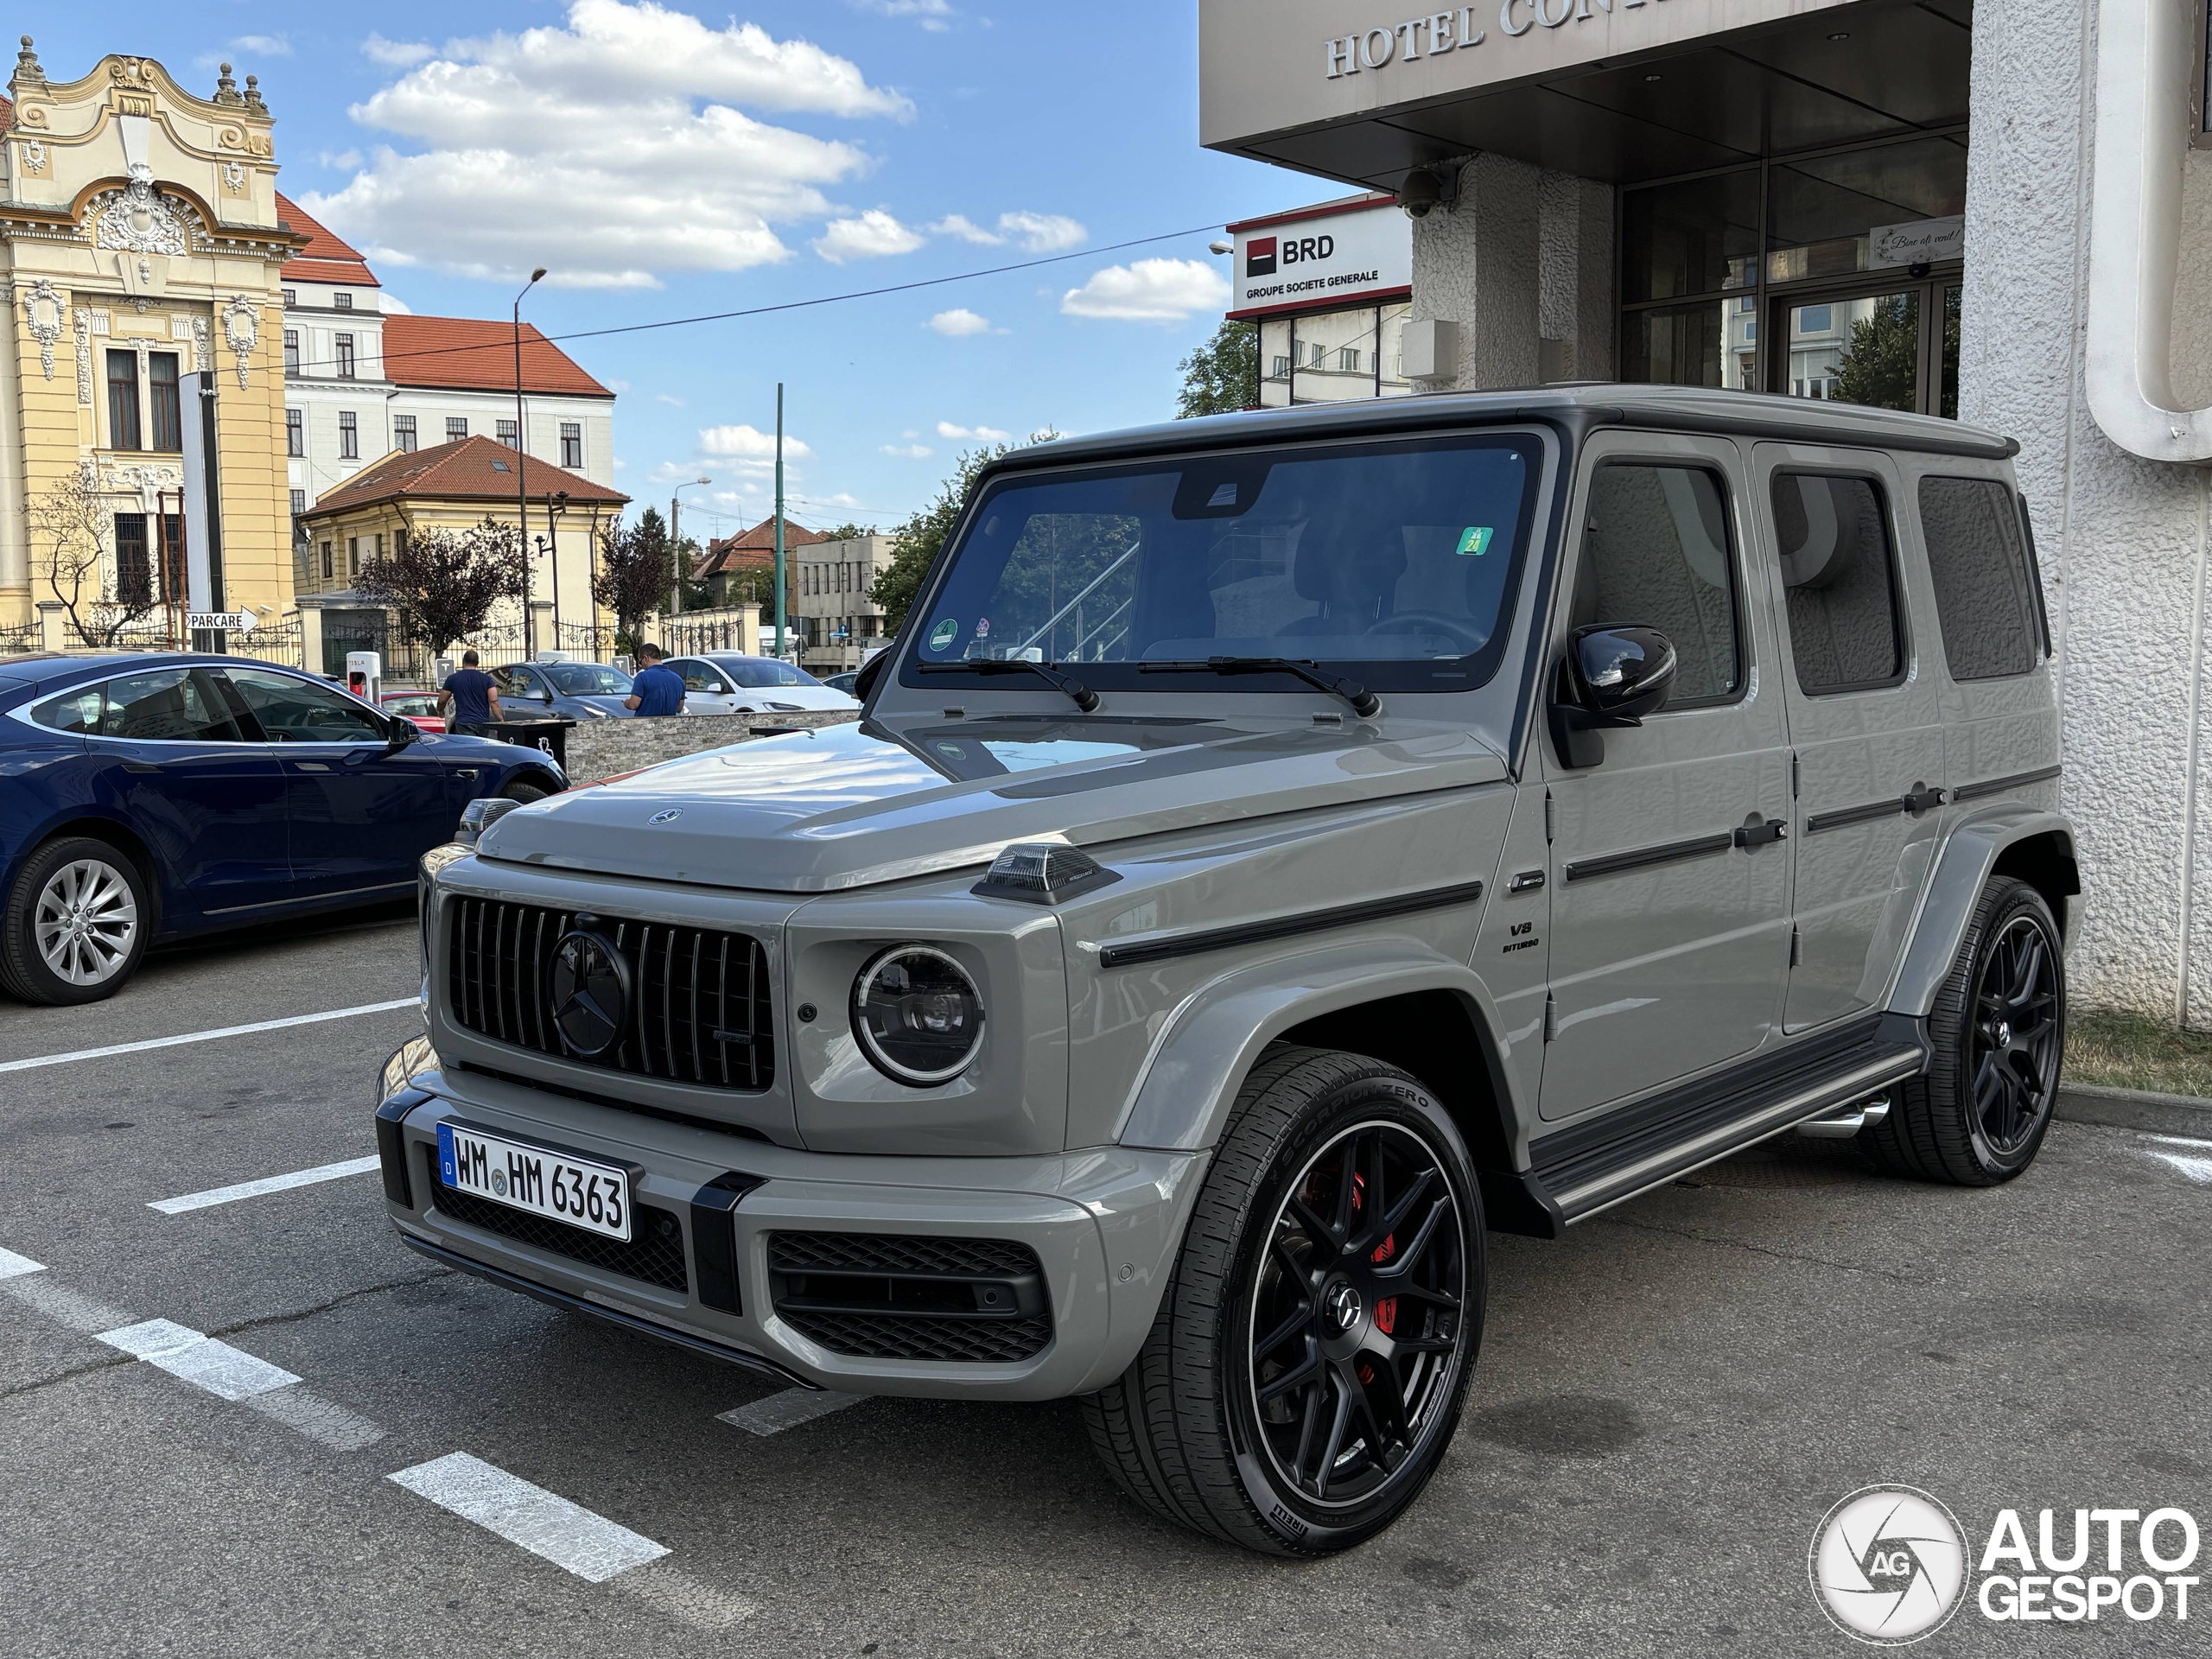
[
  {"x": 1829, "y": 1081},
  {"x": 1841, "y": 1126}
]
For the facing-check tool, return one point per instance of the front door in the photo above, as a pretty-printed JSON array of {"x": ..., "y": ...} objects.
[
  {"x": 1669, "y": 926},
  {"x": 1864, "y": 719},
  {"x": 707, "y": 689},
  {"x": 1884, "y": 344},
  {"x": 360, "y": 813}
]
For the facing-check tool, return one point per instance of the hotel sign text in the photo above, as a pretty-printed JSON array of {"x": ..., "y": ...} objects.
[{"x": 1464, "y": 27}]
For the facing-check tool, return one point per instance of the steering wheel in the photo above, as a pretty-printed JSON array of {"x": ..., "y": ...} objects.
[{"x": 1454, "y": 628}]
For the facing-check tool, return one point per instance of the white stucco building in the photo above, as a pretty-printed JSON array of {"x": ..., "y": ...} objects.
[{"x": 2000, "y": 214}]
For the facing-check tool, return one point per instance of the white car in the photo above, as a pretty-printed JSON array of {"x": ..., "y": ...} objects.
[{"x": 730, "y": 683}]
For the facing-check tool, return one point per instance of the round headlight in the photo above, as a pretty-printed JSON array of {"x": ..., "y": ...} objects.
[{"x": 916, "y": 1015}]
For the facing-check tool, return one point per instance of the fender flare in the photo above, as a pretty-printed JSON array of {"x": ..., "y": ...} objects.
[
  {"x": 1182, "y": 1095},
  {"x": 1969, "y": 853}
]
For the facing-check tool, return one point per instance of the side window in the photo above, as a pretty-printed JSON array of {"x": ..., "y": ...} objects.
[
  {"x": 697, "y": 677},
  {"x": 1655, "y": 553},
  {"x": 295, "y": 711},
  {"x": 174, "y": 704},
  {"x": 1839, "y": 581},
  {"x": 1980, "y": 572},
  {"x": 72, "y": 711}
]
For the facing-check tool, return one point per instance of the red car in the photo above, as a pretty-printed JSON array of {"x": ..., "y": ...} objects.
[{"x": 419, "y": 707}]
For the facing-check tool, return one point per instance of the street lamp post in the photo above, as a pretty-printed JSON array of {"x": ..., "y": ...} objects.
[
  {"x": 556, "y": 503},
  {"x": 676, "y": 540},
  {"x": 522, "y": 487}
]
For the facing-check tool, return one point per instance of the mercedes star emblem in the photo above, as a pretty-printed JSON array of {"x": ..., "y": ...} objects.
[
  {"x": 589, "y": 997},
  {"x": 668, "y": 817}
]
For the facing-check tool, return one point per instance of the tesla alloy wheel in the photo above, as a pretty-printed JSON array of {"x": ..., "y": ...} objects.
[
  {"x": 1998, "y": 1028},
  {"x": 76, "y": 924},
  {"x": 1310, "y": 1354}
]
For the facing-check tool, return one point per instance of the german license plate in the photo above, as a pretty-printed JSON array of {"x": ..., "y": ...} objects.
[{"x": 539, "y": 1180}]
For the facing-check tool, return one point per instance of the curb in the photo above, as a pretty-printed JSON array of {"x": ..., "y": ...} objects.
[{"x": 2132, "y": 1109}]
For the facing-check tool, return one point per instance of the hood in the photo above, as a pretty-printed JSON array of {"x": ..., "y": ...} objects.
[
  {"x": 609, "y": 704},
  {"x": 848, "y": 806}
]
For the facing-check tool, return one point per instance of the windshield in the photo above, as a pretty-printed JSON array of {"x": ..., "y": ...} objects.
[
  {"x": 1400, "y": 559},
  {"x": 752, "y": 672},
  {"x": 588, "y": 679}
]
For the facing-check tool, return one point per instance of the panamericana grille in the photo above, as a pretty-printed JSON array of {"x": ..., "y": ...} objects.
[
  {"x": 888, "y": 1296},
  {"x": 654, "y": 1253},
  {"x": 699, "y": 999}
]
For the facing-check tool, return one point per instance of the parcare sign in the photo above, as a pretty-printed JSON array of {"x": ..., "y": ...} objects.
[{"x": 1350, "y": 257}]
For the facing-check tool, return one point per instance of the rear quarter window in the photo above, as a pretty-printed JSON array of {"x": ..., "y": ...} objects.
[
  {"x": 1979, "y": 565},
  {"x": 75, "y": 711}
]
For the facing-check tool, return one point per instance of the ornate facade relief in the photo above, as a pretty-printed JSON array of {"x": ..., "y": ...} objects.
[
  {"x": 84, "y": 358},
  {"x": 241, "y": 329},
  {"x": 234, "y": 178},
  {"x": 34, "y": 156},
  {"x": 43, "y": 313},
  {"x": 139, "y": 219},
  {"x": 203, "y": 347}
]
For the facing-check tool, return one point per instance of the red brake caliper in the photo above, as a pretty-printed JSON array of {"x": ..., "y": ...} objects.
[{"x": 1386, "y": 1311}]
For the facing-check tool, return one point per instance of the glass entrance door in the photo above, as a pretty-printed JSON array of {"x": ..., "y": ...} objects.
[{"x": 1895, "y": 348}]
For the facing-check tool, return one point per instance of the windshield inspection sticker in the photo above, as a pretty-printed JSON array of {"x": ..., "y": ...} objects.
[
  {"x": 943, "y": 634},
  {"x": 1474, "y": 540}
]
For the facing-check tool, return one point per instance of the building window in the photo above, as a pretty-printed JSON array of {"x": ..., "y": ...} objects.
[
  {"x": 167, "y": 409},
  {"x": 399, "y": 542},
  {"x": 134, "y": 571},
  {"x": 291, "y": 295},
  {"x": 572, "y": 443},
  {"x": 295, "y": 435},
  {"x": 349, "y": 436},
  {"x": 291, "y": 351},
  {"x": 1280, "y": 368},
  {"x": 345, "y": 356},
  {"x": 326, "y": 561},
  {"x": 123, "y": 401},
  {"x": 506, "y": 430},
  {"x": 343, "y": 301},
  {"x": 352, "y": 557},
  {"x": 403, "y": 434},
  {"x": 299, "y": 502},
  {"x": 1348, "y": 360},
  {"x": 456, "y": 428}
]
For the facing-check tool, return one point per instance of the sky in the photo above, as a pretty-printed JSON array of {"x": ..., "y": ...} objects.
[{"x": 663, "y": 162}]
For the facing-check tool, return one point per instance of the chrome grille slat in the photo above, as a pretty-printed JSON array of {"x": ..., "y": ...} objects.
[{"x": 498, "y": 958}]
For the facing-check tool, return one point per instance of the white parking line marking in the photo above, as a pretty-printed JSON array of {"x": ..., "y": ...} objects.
[
  {"x": 223, "y": 1370},
  {"x": 66, "y": 1307},
  {"x": 266, "y": 1183},
  {"x": 2179, "y": 1140},
  {"x": 566, "y": 1534},
  {"x": 786, "y": 1410},
  {"x": 208, "y": 1036},
  {"x": 324, "y": 1421},
  {"x": 14, "y": 1267},
  {"x": 2198, "y": 1170}
]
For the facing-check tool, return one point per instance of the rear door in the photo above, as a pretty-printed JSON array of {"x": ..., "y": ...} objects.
[
  {"x": 200, "y": 789},
  {"x": 1865, "y": 718},
  {"x": 707, "y": 689},
  {"x": 360, "y": 813},
  {"x": 1669, "y": 928}
]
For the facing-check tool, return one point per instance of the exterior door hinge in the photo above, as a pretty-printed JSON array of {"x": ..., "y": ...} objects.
[
  {"x": 1551, "y": 1017},
  {"x": 1551, "y": 830},
  {"x": 1793, "y": 774},
  {"x": 1795, "y": 954}
]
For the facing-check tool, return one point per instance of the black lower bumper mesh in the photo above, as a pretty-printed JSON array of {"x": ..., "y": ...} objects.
[
  {"x": 654, "y": 1253},
  {"x": 883, "y": 1296}
]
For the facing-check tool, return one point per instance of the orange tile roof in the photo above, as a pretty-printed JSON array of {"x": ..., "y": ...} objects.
[
  {"x": 468, "y": 469},
  {"x": 326, "y": 258},
  {"x": 7, "y": 113},
  {"x": 754, "y": 547},
  {"x": 471, "y": 354}
]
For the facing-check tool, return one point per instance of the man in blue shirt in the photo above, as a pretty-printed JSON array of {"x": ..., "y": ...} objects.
[
  {"x": 657, "y": 690},
  {"x": 470, "y": 699}
]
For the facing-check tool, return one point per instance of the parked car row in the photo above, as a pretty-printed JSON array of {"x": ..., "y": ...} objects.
[
  {"x": 714, "y": 682},
  {"x": 147, "y": 797}
]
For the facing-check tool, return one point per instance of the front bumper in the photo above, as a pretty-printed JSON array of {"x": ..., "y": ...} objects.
[{"x": 1103, "y": 1225}]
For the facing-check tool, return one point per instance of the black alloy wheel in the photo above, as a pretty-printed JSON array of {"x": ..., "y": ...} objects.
[
  {"x": 1355, "y": 1318},
  {"x": 1998, "y": 1029}
]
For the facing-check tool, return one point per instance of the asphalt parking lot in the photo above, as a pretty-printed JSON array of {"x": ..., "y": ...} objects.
[{"x": 1669, "y": 1402}]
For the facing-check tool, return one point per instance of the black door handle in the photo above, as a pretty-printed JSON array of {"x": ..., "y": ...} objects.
[
  {"x": 1749, "y": 835},
  {"x": 1921, "y": 799}
]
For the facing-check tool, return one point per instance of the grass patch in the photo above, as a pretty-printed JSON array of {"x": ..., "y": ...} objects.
[{"x": 2128, "y": 1051}]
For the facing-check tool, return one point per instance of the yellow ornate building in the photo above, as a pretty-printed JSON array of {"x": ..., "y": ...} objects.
[{"x": 139, "y": 231}]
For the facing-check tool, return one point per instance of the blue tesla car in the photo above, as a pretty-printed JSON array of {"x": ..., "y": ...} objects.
[{"x": 147, "y": 797}]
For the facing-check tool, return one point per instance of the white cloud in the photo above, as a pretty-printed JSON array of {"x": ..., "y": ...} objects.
[
  {"x": 1043, "y": 232},
  {"x": 263, "y": 46},
  {"x": 609, "y": 150},
  {"x": 934, "y": 16},
  {"x": 343, "y": 161},
  {"x": 1148, "y": 290},
  {"x": 400, "y": 54},
  {"x": 959, "y": 321},
  {"x": 909, "y": 451},
  {"x": 988, "y": 434},
  {"x": 672, "y": 472},
  {"x": 966, "y": 229},
  {"x": 392, "y": 304},
  {"x": 670, "y": 398},
  {"x": 748, "y": 444},
  {"x": 874, "y": 235}
]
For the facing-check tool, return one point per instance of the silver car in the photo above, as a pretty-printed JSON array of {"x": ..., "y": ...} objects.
[{"x": 1281, "y": 848}]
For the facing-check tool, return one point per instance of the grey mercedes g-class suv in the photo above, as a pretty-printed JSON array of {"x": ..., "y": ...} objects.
[{"x": 1280, "y": 847}]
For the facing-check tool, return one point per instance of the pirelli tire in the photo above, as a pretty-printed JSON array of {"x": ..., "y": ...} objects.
[
  {"x": 1978, "y": 1116},
  {"x": 1313, "y": 1350}
]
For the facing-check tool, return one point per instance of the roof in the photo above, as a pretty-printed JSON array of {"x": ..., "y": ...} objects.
[
  {"x": 468, "y": 469},
  {"x": 754, "y": 547},
  {"x": 7, "y": 113},
  {"x": 472, "y": 355},
  {"x": 326, "y": 258}
]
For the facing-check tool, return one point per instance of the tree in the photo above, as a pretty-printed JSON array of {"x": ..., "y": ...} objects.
[
  {"x": 442, "y": 585},
  {"x": 848, "y": 531},
  {"x": 67, "y": 525},
  {"x": 916, "y": 544},
  {"x": 1223, "y": 374},
  {"x": 1881, "y": 366},
  {"x": 632, "y": 577}
]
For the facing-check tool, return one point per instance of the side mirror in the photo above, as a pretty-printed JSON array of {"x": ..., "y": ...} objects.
[
  {"x": 871, "y": 671},
  {"x": 401, "y": 733},
  {"x": 1611, "y": 675}
]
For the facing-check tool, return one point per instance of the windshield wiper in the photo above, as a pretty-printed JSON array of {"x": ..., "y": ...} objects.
[
  {"x": 1085, "y": 698},
  {"x": 1364, "y": 703}
]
